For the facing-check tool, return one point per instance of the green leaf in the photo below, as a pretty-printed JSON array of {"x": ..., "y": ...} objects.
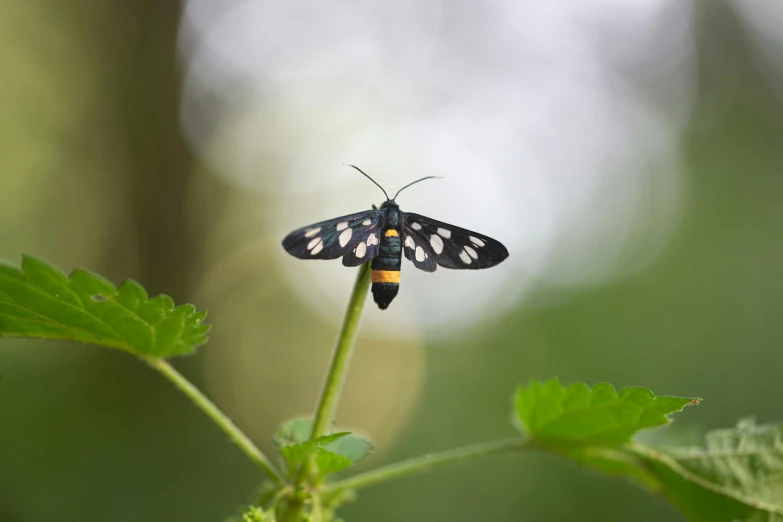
[
  {"x": 736, "y": 476},
  {"x": 297, "y": 431},
  {"x": 296, "y": 453},
  {"x": 329, "y": 462},
  {"x": 253, "y": 514},
  {"x": 353, "y": 447},
  {"x": 554, "y": 415},
  {"x": 593, "y": 426},
  {"x": 40, "y": 301},
  {"x": 331, "y": 453},
  {"x": 256, "y": 514},
  {"x": 326, "y": 460},
  {"x": 293, "y": 431}
]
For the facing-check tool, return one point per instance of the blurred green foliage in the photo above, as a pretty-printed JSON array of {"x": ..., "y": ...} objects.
[
  {"x": 735, "y": 474},
  {"x": 94, "y": 172}
]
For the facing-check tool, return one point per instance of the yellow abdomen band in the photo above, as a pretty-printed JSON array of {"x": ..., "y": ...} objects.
[
  {"x": 385, "y": 276},
  {"x": 391, "y": 233}
]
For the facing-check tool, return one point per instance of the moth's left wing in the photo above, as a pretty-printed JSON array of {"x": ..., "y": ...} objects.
[
  {"x": 429, "y": 243},
  {"x": 355, "y": 238}
]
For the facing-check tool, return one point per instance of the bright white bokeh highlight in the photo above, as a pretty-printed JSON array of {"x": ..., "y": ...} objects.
[{"x": 555, "y": 124}]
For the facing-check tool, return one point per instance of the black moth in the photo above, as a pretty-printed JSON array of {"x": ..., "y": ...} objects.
[{"x": 381, "y": 235}]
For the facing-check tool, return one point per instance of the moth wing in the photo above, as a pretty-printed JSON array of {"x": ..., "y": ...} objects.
[
  {"x": 364, "y": 245},
  {"x": 417, "y": 250},
  {"x": 354, "y": 237},
  {"x": 428, "y": 242}
]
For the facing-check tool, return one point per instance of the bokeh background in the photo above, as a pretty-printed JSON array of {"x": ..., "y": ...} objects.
[{"x": 630, "y": 154}]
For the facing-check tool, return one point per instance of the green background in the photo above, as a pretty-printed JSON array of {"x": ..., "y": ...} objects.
[{"x": 94, "y": 173}]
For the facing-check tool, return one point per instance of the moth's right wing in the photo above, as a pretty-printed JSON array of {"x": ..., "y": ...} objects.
[{"x": 429, "y": 243}]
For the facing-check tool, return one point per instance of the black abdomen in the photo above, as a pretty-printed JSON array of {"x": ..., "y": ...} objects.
[{"x": 386, "y": 269}]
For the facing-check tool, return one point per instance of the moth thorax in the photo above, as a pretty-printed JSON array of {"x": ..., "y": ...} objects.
[{"x": 392, "y": 217}]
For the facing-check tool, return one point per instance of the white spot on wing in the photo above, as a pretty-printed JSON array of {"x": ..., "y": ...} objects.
[
  {"x": 419, "y": 254},
  {"x": 415, "y": 226},
  {"x": 437, "y": 243},
  {"x": 312, "y": 243},
  {"x": 318, "y": 247},
  {"x": 345, "y": 237},
  {"x": 476, "y": 241},
  {"x": 445, "y": 233},
  {"x": 465, "y": 257},
  {"x": 342, "y": 225},
  {"x": 312, "y": 231},
  {"x": 361, "y": 250},
  {"x": 409, "y": 242},
  {"x": 372, "y": 240},
  {"x": 367, "y": 222},
  {"x": 472, "y": 252}
]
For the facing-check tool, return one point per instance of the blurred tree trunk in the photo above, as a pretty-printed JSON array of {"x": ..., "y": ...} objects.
[{"x": 147, "y": 88}]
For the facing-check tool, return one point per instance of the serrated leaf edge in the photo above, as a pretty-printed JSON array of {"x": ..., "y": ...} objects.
[
  {"x": 648, "y": 453},
  {"x": 520, "y": 424},
  {"x": 125, "y": 345}
]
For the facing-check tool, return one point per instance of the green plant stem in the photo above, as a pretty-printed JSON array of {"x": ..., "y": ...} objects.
[
  {"x": 212, "y": 411},
  {"x": 330, "y": 394},
  {"x": 426, "y": 463},
  {"x": 293, "y": 510}
]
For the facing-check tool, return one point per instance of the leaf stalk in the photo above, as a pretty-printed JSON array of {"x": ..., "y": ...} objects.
[
  {"x": 219, "y": 418},
  {"x": 426, "y": 463}
]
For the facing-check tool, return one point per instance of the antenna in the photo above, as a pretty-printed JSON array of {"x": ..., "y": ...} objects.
[
  {"x": 413, "y": 183},
  {"x": 368, "y": 177}
]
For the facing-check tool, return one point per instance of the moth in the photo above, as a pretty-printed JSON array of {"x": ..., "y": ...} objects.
[{"x": 383, "y": 234}]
